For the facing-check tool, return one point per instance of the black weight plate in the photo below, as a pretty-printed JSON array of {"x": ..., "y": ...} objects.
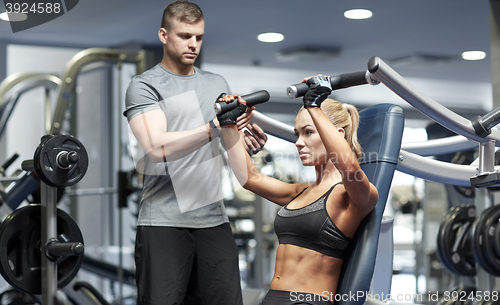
[
  {"x": 496, "y": 239},
  {"x": 482, "y": 247},
  {"x": 441, "y": 251},
  {"x": 488, "y": 245},
  {"x": 443, "y": 239},
  {"x": 453, "y": 241},
  {"x": 20, "y": 255},
  {"x": 46, "y": 164}
]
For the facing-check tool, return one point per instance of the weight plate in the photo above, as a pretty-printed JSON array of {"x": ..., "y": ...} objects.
[
  {"x": 20, "y": 252},
  {"x": 454, "y": 241},
  {"x": 46, "y": 162},
  {"x": 483, "y": 232},
  {"x": 488, "y": 243},
  {"x": 496, "y": 239},
  {"x": 441, "y": 252}
]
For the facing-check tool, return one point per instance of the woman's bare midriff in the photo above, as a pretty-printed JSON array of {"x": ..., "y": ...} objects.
[{"x": 303, "y": 270}]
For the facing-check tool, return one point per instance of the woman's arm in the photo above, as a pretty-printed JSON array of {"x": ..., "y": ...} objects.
[{"x": 362, "y": 194}]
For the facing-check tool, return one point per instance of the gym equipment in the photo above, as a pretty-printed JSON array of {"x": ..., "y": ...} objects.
[
  {"x": 338, "y": 82},
  {"x": 20, "y": 254},
  {"x": 411, "y": 160},
  {"x": 15, "y": 85},
  {"x": 91, "y": 290},
  {"x": 60, "y": 160},
  {"x": 252, "y": 99},
  {"x": 75, "y": 65},
  {"x": 425, "y": 168},
  {"x": 464, "y": 240},
  {"x": 107, "y": 270},
  {"x": 453, "y": 241},
  {"x": 380, "y": 133},
  {"x": 486, "y": 240}
]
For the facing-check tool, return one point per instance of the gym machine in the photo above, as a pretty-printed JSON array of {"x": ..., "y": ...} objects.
[
  {"x": 42, "y": 246},
  {"x": 20, "y": 263},
  {"x": 481, "y": 174},
  {"x": 16, "y": 84}
]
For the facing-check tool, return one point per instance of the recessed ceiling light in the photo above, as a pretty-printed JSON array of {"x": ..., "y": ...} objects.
[
  {"x": 473, "y": 55},
  {"x": 13, "y": 16},
  {"x": 270, "y": 37},
  {"x": 358, "y": 14}
]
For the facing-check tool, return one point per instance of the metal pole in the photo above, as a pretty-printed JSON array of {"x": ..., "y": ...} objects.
[
  {"x": 49, "y": 230},
  {"x": 120, "y": 216},
  {"x": 48, "y": 111}
]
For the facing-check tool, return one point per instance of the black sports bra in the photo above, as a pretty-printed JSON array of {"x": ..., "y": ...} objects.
[{"x": 311, "y": 227}]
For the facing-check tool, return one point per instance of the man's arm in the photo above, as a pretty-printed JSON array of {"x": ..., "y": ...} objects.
[{"x": 150, "y": 127}]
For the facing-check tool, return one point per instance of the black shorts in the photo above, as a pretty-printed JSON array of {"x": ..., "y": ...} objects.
[
  {"x": 187, "y": 266},
  {"x": 279, "y": 297}
]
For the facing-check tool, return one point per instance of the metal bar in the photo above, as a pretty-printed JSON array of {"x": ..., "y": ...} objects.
[
  {"x": 432, "y": 109},
  {"x": 48, "y": 111},
  {"x": 120, "y": 209},
  {"x": 491, "y": 119},
  {"x": 20, "y": 82},
  {"x": 74, "y": 66},
  {"x": 15, "y": 85},
  {"x": 92, "y": 191},
  {"x": 274, "y": 127},
  {"x": 410, "y": 162},
  {"x": 49, "y": 230},
  {"x": 434, "y": 170},
  {"x": 486, "y": 157},
  {"x": 439, "y": 146}
]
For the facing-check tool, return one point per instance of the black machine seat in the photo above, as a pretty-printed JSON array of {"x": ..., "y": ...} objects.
[{"x": 380, "y": 133}]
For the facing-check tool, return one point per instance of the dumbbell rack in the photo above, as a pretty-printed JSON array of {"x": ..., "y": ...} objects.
[
  {"x": 59, "y": 161},
  {"x": 487, "y": 176}
]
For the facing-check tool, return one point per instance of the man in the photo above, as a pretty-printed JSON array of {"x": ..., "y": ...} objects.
[{"x": 185, "y": 252}]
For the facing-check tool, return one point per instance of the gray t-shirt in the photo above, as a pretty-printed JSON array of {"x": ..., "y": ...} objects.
[{"x": 186, "y": 192}]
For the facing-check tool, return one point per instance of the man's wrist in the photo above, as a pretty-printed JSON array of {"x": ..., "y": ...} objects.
[{"x": 215, "y": 129}]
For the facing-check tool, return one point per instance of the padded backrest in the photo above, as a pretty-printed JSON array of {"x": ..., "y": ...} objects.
[{"x": 380, "y": 133}]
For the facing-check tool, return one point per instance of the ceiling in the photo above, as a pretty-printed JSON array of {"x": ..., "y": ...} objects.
[{"x": 412, "y": 30}]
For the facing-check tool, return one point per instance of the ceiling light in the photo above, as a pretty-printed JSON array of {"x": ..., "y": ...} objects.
[
  {"x": 13, "y": 16},
  {"x": 270, "y": 37},
  {"x": 357, "y": 14},
  {"x": 473, "y": 55}
]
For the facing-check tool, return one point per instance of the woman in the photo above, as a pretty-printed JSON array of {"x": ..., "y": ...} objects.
[{"x": 317, "y": 219}]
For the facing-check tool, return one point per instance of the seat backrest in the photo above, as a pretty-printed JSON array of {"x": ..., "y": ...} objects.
[{"x": 380, "y": 133}]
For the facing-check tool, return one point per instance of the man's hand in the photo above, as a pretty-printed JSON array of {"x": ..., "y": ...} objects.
[
  {"x": 243, "y": 120},
  {"x": 254, "y": 139},
  {"x": 231, "y": 116}
]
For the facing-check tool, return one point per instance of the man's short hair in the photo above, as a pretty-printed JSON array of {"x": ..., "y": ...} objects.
[{"x": 182, "y": 10}]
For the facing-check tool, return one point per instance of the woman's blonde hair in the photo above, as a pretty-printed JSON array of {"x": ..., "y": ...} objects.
[{"x": 344, "y": 116}]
